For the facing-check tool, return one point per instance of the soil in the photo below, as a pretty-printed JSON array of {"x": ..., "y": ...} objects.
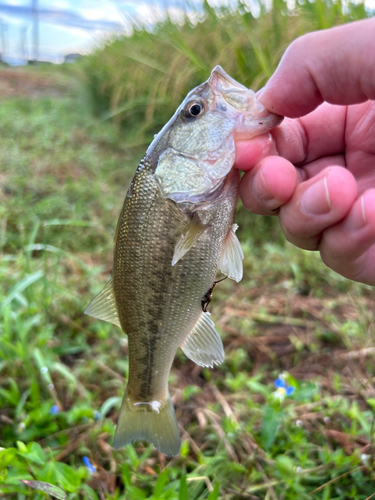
[{"x": 20, "y": 82}]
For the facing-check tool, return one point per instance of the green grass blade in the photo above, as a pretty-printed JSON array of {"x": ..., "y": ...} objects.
[
  {"x": 50, "y": 489},
  {"x": 214, "y": 495},
  {"x": 21, "y": 286},
  {"x": 183, "y": 491}
]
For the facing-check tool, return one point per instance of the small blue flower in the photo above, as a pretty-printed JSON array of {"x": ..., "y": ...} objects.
[
  {"x": 88, "y": 465},
  {"x": 96, "y": 415},
  {"x": 289, "y": 390},
  {"x": 283, "y": 390},
  {"x": 54, "y": 410},
  {"x": 280, "y": 383}
]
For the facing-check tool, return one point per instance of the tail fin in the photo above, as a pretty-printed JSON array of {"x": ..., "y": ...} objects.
[{"x": 155, "y": 422}]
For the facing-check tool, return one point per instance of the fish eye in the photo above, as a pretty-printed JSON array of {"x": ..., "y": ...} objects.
[{"x": 193, "y": 109}]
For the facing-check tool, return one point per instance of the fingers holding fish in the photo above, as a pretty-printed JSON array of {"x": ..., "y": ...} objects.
[
  {"x": 303, "y": 145},
  {"x": 329, "y": 122},
  {"x": 310, "y": 199},
  {"x": 316, "y": 135},
  {"x": 316, "y": 205},
  {"x": 269, "y": 185},
  {"x": 301, "y": 141},
  {"x": 250, "y": 152}
]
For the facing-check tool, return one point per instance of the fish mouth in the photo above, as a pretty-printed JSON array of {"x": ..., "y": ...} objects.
[
  {"x": 251, "y": 116},
  {"x": 257, "y": 124},
  {"x": 230, "y": 91},
  {"x": 219, "y": 75}
]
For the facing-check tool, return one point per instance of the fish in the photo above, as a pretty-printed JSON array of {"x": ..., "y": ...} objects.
[{"x": 175, "y": 231}]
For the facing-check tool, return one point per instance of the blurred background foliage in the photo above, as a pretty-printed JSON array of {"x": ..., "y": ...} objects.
[{"x": 70, "y": 140}]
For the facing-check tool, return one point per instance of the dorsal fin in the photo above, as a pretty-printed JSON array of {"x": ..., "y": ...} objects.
[
  {"x": 188, "y": 239},
  {"x": 103, "y": 306},
  {"x": 230, "y": 262},
  {"x": 203, "y": 345}
]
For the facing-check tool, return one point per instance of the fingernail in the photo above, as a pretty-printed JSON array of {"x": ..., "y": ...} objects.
[
  {"x": 263, "y": 98},
  {"x": 260, "y": 188},
  {"x": 315, "y": 200},
  {"x": 357, "y": 218}
]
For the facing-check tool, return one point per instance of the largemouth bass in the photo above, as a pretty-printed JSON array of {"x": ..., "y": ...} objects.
[{"x": 176, "y": 229}]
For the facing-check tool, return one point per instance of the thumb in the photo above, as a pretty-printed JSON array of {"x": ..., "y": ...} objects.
[{"x": 335, "y": 65}]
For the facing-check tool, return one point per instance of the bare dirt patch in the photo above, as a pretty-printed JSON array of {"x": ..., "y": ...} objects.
[{"x": 18, "y": 82}]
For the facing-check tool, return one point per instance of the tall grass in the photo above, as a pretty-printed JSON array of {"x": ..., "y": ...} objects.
[{"x": 138, "y": 80}]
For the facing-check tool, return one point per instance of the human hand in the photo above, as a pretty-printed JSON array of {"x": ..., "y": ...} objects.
[{"x": 323, "y": 183}]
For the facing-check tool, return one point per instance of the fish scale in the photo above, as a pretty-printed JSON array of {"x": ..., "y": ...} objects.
[
  {"x": 159, "y": 304},
  {"x": 175, "y": 231}
]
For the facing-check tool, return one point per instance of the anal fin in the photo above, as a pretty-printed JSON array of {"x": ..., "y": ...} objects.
[
  {"x": 230, "y": 262},
  {"x": 203, "y": 345},
  {"x": 188, "y": 239},
  {"x": 103, "y": 306}
]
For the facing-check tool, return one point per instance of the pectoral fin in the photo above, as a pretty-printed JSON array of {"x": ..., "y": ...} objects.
[
  {"x": 103, "y": 306},
  {"x": 230, "y": 262},
  {"x": 203, "y": 345},
  {"x": 188, "y": 239}
]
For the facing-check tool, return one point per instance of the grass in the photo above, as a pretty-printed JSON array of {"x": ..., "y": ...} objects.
[{"x": 64, "y": 174}]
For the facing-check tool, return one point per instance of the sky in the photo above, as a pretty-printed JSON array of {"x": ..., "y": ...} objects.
[
  {"x": 76, "y": 26},
  {"x": 70, "y": 26}
]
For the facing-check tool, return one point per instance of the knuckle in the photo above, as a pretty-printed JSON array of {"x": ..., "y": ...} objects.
[
  {"x": 301, "y": 237},
  {"x": 299, "y": 44}
]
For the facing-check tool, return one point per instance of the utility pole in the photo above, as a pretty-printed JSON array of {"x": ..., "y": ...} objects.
[
  {"x": 2, "y": 37},
  {"x": 35, "y": 30},
  {"x": 23, "y": 41}
]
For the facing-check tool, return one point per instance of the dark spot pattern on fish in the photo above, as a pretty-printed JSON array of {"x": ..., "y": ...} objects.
[
  {"x": 160, "y": 273},
  {"x": 159, "y": 303},
  {"x": 149, "y": 280}
]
